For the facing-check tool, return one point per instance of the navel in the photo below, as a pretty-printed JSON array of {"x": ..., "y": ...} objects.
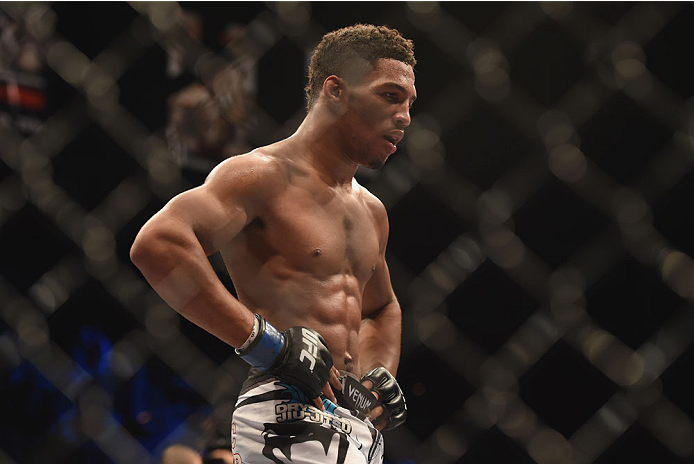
[
  {"x": 349, "y": 363},
  {"x": 317, "y": 252}
]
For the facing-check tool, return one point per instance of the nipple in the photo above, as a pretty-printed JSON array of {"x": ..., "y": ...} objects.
[{"x": 317, "y": 252}]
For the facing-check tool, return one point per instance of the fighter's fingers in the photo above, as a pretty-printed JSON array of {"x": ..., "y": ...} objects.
[
  {"x": 319, "y": 403},
  {"x": 375, "y": 413},
  {"x": 369, "y": 384},
  {"x": 327, "y": 391},
  {"x": 380, "y": 425},
  {"x": 335, "y": 378}
]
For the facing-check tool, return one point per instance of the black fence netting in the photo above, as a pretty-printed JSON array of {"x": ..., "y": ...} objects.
[{"x": 540, "y": 212}]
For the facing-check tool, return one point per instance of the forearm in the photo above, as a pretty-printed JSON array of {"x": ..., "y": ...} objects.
[
  {"x": 379, "y": 339},
  {"x": 177, "y": 268}
]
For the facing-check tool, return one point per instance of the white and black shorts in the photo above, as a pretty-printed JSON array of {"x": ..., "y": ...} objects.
[{"x": 274, "y": 422}]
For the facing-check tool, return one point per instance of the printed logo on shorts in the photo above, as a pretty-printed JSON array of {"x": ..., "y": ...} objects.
[
  {"x": 237, "y": 456},
  {"x": 290, "y": 412},
  {"x": 283, "y": 436},
  {"x": 298, "y": 422}
]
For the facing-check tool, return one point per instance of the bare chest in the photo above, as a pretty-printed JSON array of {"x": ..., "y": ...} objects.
[{"x": 319, "y": 235}]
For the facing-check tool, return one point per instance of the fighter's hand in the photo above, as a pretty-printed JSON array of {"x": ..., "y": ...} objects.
[
  {"x": 392, "y": 409},
  {"x": 327, "y": 391},
  {"x": 305, "y": 361},
  {"x": 298, "y": 356}
]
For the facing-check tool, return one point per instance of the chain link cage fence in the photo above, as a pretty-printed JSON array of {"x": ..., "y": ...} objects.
[{"x": 540, "y": 208}]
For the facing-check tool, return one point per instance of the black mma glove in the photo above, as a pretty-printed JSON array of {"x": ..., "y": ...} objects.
[
  {"x": 390, "y": 397},
  {"x": 298, "y": 356}
]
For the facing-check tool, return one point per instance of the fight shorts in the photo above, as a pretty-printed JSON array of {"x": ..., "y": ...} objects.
[{"x": 275, "y": 422}]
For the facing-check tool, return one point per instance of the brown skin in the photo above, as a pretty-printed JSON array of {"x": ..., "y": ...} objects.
[{"x": 303, "y": 242}]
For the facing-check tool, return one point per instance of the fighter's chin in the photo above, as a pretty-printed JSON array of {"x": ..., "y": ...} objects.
[{"x": 376, "y": 164}]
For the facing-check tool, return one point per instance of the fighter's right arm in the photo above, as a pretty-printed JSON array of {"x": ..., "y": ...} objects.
[{"x": 171, "y": 249}]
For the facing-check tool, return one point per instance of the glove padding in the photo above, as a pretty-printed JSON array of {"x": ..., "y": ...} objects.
[
  {"x": 304, "y": 361},
  {"x": 390, "y": 397}
]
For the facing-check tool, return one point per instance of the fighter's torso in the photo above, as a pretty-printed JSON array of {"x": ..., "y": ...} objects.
[{"x": 306, "y": 257}]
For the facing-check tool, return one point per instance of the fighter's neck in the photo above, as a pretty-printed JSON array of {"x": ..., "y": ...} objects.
[{"x": 318, "y": 146}]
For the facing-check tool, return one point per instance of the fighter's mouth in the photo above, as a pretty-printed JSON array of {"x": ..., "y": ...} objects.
[{"x": 392, "y": 139}]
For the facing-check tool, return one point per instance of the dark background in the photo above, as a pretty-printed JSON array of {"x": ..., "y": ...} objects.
[{"x": 541, "y": 229}]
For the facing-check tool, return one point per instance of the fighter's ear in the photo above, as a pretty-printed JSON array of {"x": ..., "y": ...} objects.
[{"x": 334, "y": 89}]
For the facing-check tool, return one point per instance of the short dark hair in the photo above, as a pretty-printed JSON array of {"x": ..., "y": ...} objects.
[{"x": 342, "y": 48}]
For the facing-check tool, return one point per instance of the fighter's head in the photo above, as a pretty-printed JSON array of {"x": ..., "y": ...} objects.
[
  {"x": 350, "y": 53},
  {"x": 361, "y": 80}
]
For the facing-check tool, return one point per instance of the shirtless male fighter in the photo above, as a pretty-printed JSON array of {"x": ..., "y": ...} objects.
[{"x": 304, "y": 244}]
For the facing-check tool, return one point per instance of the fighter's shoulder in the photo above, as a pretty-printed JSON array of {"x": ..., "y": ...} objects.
[
  {"x": 373, "y": 204},
  {"x": 259, "y": 169}
]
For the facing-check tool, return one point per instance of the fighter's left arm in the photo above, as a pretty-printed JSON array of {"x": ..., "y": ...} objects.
[
  {"x": 379, "y": 338},
  {"x": 381, "y": 323}
]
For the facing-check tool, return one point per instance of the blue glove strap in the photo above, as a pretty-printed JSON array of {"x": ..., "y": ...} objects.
[{"x": 263, "y": 354}]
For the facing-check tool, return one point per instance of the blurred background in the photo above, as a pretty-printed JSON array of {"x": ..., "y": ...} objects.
[{"x": 541, "y": 211}]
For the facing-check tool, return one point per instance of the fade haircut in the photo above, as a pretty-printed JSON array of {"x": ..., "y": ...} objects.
[{"x": 340, "y": 53}]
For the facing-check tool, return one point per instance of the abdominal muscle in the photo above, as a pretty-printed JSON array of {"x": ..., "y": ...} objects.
[{"x": 331, "y": 306}]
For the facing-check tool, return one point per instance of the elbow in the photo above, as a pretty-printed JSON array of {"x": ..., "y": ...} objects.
[
  {"x": 156, "y": 251},
  {"x": 141, "y": 250},
  {"x": 388, "y": 310},
  {"x": 136, "y": 252},
  {"x": 147, "y": 254},
  {"x": 392, "y": 306}
]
